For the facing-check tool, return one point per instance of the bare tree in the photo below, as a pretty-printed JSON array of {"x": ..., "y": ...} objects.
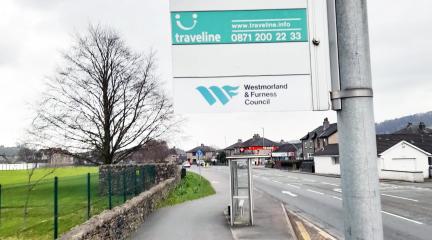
[
  {"x": 29, "y": 156},
  {"x": 105, "y": 99}
]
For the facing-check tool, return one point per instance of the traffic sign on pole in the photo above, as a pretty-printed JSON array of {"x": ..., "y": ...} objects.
[{"x": 250, "y": 56}]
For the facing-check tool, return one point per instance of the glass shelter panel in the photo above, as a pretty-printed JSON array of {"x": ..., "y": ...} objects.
[{"x": 241, "y": 197}]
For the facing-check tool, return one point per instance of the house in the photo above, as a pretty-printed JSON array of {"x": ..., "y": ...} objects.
[
  {"x": 208, "y": 153},
  {"x": 234, "y": 149},
  {"x": 55, "y": 157},
  {"x": 400, "y": 157},
  {"x": 415, "y": 129},
  {"x": 178, "y": 154},
  {"x": 318, "y": 138},
  {"x": 287, "y": 155},
  {"x": 258, "y": 145}
]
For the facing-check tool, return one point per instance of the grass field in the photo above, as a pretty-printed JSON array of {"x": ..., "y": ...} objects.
[
  {"x": 192, "y": 187},
  {"x": 39, "y": 222}
]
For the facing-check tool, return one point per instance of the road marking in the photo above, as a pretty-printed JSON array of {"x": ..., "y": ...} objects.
[
  {"x": 338, "y": 198},
  {"x": 294, "y": 186},
  {"x": 393, "y": 196},
  {"x": 289, "y": 193},
  {"x": 332, "y": 184},
  {"x": 337, "y": 190},
  {"x": 320, "y": 193},
  {"x": 303, "y": 232},
  {"x": 277, "y": 182},
  {"x": 293, "y": 177},
  {"x": 214, "y": 182},
  {"x": 308, "y": 180},
  {"x": 404, "y": 218}
]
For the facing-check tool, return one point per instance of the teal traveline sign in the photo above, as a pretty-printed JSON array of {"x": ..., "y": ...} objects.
[{"x": 239, "y": 27}]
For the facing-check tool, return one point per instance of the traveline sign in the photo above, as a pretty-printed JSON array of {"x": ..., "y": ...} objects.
[
  {"x": 249, "y": 55},
  {"x": 237, "y": 27}
]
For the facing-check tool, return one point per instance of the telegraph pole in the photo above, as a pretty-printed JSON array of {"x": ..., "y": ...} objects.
[{"x": 356, "y": 125}]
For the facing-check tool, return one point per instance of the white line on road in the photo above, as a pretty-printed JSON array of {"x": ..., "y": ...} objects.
[
  {"x": 308, "y": 180},
  {"x": 337, "y": 190},
  {"x": 338, "y": 198},
  {"x": 404, "y": 218},
  {"x": 393, "y": 196},
  {"x": 294, "y": 186},
  {"x": 332, "y": 184},
  {"x": 289, "y": 193},
  {"x": 320, "y": 193},
  {"x": 293, "y": 177}
]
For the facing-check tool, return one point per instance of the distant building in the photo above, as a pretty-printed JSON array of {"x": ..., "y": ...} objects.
[
  {"x": 208, "y": 153},
  {"x": 55, "y": 157},
  {"x": 234, "y": 149},
  {"x": 415, "y": 129},
  {"x": 400, "y": 157},
  {"x": 318, "y": 138},
  {"x": 288, "y": 155}
]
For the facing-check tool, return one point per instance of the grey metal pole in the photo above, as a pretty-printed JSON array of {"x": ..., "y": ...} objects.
[{"x": 356, "y": 126}]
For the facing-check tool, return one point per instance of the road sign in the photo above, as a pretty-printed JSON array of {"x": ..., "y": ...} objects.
[
  {"x": 250, "y": 55},
  {"x": 199, "y": 153}
]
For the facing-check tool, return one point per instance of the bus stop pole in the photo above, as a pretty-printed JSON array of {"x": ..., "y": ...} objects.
[{"x": 356, "y": 126}]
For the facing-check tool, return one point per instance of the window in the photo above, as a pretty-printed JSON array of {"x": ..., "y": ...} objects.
[
  {"x": 335, "y": 160},
  {"x": 309, "y": 155},
  {"x": 430, "y": 160}
]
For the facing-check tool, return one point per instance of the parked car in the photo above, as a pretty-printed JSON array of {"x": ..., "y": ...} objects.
[
  {"x": 200, "y": 163},
  {"x": 186, "y": 164}
]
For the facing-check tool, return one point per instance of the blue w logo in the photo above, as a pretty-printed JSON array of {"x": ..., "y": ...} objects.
[{"x": 213, "y": 93}]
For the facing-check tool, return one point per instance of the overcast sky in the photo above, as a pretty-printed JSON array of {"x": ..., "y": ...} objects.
[{"x": 33, "y": 32}]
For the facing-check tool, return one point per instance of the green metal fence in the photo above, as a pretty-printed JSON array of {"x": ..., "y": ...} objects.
[{"x": 55, "y": 205}]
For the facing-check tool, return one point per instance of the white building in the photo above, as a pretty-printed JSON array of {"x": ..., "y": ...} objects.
[{"x": 405, "y": 157}]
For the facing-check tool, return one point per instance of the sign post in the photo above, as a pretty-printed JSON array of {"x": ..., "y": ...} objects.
[
  {"x": 250, "y": 56},
  {"x": 356, "y": 125}
]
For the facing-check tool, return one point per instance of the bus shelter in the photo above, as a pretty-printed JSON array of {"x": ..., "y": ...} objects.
[{"x": 241, "y": 189}]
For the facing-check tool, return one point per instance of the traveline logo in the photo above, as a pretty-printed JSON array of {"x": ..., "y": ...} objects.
[{"x": 213, "y": 94}]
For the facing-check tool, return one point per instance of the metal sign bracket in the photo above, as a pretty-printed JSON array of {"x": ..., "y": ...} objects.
[{"x": 350, "y": 93}]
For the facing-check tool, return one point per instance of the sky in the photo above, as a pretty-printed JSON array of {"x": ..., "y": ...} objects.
[{"x": 35, "y": 32}]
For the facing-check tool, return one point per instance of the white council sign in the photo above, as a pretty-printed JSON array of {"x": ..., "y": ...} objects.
[{"x": 250, "y": 55}]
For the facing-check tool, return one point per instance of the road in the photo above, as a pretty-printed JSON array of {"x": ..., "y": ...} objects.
[{"x": 407, "y": 208}]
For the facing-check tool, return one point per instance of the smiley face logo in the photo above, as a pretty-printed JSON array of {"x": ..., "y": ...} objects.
[{"x": 186, "y": 28}]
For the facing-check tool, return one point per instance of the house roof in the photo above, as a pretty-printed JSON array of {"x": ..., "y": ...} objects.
[
  {"x": 320, "y": 132},
  {"x": 386, "y": 141},
  {"x": 329, "y": 150},
  {"x": 415, "y": 129},
  {"x": 287, "y": 147},
  {"x": 202, "y": 148},
  {"x": 256, "y": 140},
  {"x": 235, "y": 145}
]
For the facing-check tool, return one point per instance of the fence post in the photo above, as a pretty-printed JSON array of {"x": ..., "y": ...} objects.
[
  {"x": 55, "y": 207},
  {"x": 109, "y": 189},
  {"x": 0, "y": 201},
  {"x": 88, "y": 196},
  {"x": 135, "y": 181},
  {"x": 124, "y": 185}
]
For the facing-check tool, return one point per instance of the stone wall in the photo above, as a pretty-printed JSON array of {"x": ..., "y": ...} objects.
[
  {"x": 146, "y": 175},
  {"x": 121, "y": 221}
]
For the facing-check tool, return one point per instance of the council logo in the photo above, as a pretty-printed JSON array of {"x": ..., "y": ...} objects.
[
  {"x": 184, "y": 27},
  {"x": 221, "y": 94}
]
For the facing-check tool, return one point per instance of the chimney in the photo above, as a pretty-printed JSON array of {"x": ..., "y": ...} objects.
[
  {"x": 239, "y": 141},
  {"x": 282, "y": 141},
  {"x": 256, "y": 136},
  {"x": 422, "y": 126},
  {"x": 326, "y": 124},
  {"x": 202, "y": 144}
]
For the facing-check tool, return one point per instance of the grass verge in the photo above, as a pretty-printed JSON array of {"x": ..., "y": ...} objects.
[{"x": 192, "y": 187}]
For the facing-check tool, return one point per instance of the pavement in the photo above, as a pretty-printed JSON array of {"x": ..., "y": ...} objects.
[
  {"x": 205, "y": 218},
  {"x": 194, "y": 220}
]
